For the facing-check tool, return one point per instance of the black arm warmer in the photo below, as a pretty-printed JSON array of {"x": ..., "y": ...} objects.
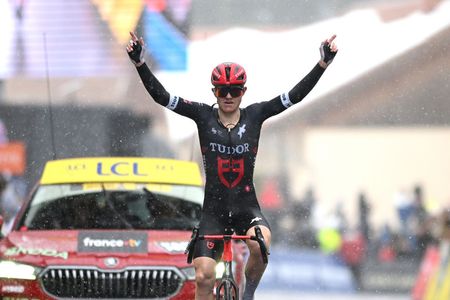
[
  {"x": 152, "y": 85},
  {"x": 301, "y": 89}
]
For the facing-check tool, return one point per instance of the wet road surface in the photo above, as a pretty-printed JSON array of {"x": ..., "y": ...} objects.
[{"x": 265, "y": 295}]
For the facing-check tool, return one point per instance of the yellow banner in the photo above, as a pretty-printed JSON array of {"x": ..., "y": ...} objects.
[{"x": 121, "y": 169}]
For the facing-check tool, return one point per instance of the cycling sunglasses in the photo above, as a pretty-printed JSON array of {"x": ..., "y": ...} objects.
[{"x": 223, "y": 91}]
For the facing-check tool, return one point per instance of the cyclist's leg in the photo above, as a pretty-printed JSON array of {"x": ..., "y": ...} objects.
[
  {"x": 206, "y": 255},
  {"x": 245, "y": 222},
  {"x": 205, "y": 277},
  {"x": 255, "y": 267}
]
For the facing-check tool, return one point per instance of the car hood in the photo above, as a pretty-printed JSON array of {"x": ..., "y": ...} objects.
[{"x": 80, "y": 247}]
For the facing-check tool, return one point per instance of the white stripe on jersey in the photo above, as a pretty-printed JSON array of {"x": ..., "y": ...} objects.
[
  {"x": 173, "y": 101},
  {"x": 285, "y": 100}
]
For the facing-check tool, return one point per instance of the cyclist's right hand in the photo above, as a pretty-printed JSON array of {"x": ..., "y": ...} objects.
[{"x": 136, "y": 50}]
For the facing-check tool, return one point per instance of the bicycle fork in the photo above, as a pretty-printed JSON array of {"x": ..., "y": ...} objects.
[{"x": 227, "y": 283}]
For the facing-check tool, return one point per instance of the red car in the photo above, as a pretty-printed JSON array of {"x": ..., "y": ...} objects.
[{"x": 106, "y": 228}]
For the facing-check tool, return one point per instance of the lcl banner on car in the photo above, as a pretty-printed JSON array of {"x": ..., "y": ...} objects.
[{"x": 12, "y": 158}]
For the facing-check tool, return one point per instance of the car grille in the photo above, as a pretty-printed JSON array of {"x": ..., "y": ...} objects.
[{"x": 75, "y": 282}]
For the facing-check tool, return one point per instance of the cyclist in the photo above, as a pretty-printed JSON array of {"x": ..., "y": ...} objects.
[{"x": 229, "y": 138}]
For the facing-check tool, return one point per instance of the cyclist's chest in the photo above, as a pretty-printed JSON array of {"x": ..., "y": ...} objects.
[{"x": 238, "y": 141}]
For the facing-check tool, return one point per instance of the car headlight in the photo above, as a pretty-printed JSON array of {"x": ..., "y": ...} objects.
[{"x": 14, "y": 270}]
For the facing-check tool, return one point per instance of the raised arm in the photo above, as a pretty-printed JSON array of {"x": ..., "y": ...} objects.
[
  {"x": 190, "y": 109},
  {"x": 136, "y": 52},
  {"x": 328, "y": 50}
]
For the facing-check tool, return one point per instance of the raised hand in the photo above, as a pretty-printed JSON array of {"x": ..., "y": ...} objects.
[
  {"x": 136, "y": 50},
  {"x": 328, "y": 50}
]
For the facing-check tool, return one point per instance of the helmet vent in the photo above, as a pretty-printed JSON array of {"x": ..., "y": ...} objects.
[{"x": 227, "y": 73}]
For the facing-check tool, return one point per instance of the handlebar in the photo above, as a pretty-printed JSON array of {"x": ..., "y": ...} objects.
[
  {"x": 262, "y": 245},
  {"x": 258, "y": 237},
  {"x": 191, "y": 246}
]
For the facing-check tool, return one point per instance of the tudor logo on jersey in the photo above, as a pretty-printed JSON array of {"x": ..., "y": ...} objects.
[{"x": 230, "y": 166}]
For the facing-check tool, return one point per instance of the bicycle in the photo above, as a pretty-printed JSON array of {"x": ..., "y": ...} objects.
[{"x": 227, "y": 289}]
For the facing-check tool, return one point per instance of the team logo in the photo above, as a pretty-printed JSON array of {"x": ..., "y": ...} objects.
[
  {"x": 230, "y": 166},
  {"x": 216, "y": 131},
  {"x": 210, "y": 245},
  {"x": 241, "y": 131},
  {"x": 257, "y": 219}
]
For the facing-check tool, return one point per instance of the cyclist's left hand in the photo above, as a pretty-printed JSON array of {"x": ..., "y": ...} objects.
[{"x": 328, "y": 50}]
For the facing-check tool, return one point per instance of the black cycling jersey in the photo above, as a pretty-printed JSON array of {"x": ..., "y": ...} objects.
[{"x": 229, "y": 154}]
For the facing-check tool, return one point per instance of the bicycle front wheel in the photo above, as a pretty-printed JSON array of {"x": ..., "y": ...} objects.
[{"x": 227, "y": 290}]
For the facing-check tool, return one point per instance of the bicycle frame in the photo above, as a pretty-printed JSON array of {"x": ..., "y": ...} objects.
[{"x": 227, "y": 282}]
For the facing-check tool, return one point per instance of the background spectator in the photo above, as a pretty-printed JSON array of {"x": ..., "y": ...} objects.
[
  {"x": 364, "y": 211},
  {"x": 353, "y": 251}
]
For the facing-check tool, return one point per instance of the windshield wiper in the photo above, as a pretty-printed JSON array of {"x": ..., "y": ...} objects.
[
  {"x": 152, "y": 196},
  {"x": 111, "y": 206}
]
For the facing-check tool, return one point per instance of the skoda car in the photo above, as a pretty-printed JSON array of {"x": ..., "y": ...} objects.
[{"x": 106, "y": 228}]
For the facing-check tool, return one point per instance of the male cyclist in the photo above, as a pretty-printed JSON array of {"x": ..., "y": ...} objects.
[{"x": 229, "y": 138}]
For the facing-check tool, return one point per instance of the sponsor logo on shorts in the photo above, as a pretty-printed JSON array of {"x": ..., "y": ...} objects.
[{"x": 210, "y": 245}]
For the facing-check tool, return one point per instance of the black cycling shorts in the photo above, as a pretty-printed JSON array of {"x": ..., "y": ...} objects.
[{"x": 240, "y": 223}]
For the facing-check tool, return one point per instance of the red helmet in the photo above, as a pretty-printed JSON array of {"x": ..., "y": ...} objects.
[{"x": 228, "y": 73}]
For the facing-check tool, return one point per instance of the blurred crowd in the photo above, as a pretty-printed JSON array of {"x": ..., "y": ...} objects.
[{"x": 298, "y": 224}]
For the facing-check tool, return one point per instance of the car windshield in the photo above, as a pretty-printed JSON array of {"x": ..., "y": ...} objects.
[{"x": 113, "y": 206}]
